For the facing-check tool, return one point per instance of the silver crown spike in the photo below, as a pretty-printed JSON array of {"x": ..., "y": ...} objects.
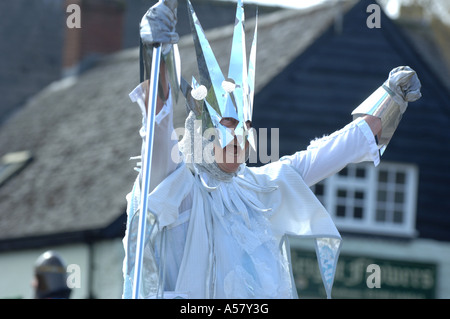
[
  {"x": 251, "y": 73},
  {"x": 238, "y": 62},
  {"x": 209, "y": 70},
  {"x": 226, "y": 98}
]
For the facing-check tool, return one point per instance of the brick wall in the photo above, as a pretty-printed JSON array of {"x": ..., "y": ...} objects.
[{"x": 100, "y": 32}]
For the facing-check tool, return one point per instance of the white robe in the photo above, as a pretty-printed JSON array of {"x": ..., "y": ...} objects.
[{"x": 229, "y": 239}]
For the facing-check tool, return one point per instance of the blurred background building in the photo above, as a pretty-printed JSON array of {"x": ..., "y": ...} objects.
[{"x": 68, "y": 128}]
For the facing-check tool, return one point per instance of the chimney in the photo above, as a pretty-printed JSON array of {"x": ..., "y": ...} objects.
[{"x": 98, "y": 34}]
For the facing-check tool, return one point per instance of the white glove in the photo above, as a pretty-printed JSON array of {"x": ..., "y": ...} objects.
[
  {"x": 403, "y": 81},
  {"x": 158, "y": 25}
]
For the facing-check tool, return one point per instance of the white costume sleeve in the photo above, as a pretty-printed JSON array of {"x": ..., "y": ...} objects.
[
  {"x": 165, "y": 157},
  {"x": 326, "y": 156},
  {"x": 163, "y": 164}
]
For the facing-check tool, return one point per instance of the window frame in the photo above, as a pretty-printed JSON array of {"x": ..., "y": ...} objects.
[{"x": 369, "y": 185}]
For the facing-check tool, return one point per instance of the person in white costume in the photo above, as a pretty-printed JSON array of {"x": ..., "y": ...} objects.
[{"x": 216, "y": 227}]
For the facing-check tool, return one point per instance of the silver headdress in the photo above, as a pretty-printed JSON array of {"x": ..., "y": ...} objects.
[{"x": 214, "y": 97}]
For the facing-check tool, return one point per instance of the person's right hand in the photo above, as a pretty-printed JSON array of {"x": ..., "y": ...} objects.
[{"x": 406, "y": 85}]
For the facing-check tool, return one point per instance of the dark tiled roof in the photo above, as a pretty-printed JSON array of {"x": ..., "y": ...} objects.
[{"x": 315, "y": 94}]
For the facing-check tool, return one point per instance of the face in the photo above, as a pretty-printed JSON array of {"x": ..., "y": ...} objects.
[{"x": 231, "y": 156}]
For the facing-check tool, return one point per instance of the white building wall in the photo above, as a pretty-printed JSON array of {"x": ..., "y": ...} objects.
[
  {"x": 100, "y": 277},
  {"x": 17, "y": 270},
  {"x": 107, "y": 269}
]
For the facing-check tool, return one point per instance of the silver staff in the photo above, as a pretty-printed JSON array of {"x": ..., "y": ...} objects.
[
  {"x": 146, "y": 167},
  {"x": 159, "y": 38}
]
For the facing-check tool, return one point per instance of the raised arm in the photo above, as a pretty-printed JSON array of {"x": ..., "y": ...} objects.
[
  {"x": 364, "y": 139},
  {"x": 328, "y": 155},
  {"x": 158, "y": 28},
  {"x": 163, "y": 86},
  {"x": 374, "y": 124}
]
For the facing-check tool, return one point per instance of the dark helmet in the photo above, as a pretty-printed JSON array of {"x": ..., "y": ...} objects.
[{"x": 51, "y": 276}]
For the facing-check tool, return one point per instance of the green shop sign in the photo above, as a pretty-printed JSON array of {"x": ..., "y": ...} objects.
[{"x": 356, "y": 279}]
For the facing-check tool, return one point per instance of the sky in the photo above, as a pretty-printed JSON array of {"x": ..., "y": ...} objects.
[{"x": 438, "y": 8}]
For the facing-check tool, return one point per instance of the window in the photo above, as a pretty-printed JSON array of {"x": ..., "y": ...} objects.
[
  {"x": 12, "y": 163},
  {"x": 379, "y": 200}
]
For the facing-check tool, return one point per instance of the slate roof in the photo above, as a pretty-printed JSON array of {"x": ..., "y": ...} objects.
[
  {"x": 81, "y": 132},
  {"x": 321, "y": 87}
]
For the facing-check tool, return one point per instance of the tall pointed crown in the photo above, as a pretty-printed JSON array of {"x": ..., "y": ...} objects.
[{"x": 213, "y": 96}]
